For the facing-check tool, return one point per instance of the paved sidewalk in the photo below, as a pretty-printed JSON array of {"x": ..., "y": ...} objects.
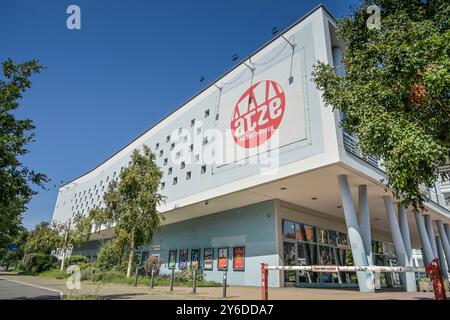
[{"x": 120, "y": 292}]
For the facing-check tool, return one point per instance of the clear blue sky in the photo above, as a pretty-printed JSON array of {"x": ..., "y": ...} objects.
[{"x": 130, "y": 64}]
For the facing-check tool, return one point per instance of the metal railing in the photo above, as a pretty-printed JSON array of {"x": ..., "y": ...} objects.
[{"x": 351, "y": 145}]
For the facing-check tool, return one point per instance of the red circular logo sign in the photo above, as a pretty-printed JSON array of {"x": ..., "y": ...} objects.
[{"x": 258, "y": 113}]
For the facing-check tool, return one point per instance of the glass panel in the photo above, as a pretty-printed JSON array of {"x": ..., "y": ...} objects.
[
  {"x": 342, "y": 239},
  {"x": 299, "y": 234},
  {"x": 323, "y": 235},
  {"x": 309, "y": 233},
  {"x": 288, "y": 229},
  {"x": 333, "y": 237},
  {"x": 289, "y": 260}
]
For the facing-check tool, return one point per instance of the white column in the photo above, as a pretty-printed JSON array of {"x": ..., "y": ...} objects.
[
  {"x": 445, "y": 241},
  {"x": 404, "y": 228},
  {"x": 427, "y": 251},
  {"x": 364, "y": 222},
  {"x": 409, "y": 281},
  {"x": 430, "y": 233},
  {"x": 365, "y": 279},
  {"x": 442, "y": 262},
  {"x": 447, "y": 230}
]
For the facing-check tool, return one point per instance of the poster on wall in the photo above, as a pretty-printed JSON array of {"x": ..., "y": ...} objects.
[
  {"x": 208, "y": 257},
  {"x": 195, "y": 258},
  {"x": 183, "y": 259},
  {"x": 222, "y": 259},
  {"x": 239, "y": 258},
  {"x": 172, "y": 259}
]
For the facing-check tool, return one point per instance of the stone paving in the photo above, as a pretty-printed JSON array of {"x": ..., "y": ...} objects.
[{"x": 119, "y": 292}]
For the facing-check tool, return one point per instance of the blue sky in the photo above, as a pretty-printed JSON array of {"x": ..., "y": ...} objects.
[{"x": 131, "y": 63}]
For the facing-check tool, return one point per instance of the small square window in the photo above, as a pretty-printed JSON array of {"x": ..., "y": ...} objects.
[
  {"x": 191, "y": 147},
  {"x": 192, "y": 122},
  {"x": 185, "y": 138},
  {"x": 188, "y": 175},
  {"x": 161, "y": 152},
  {"x": 183, "y": 165},
  {"x": 197, "y": 158},
  {"x": 178, "y": 155},
  {"x": 163, "y": 185},
  {"x": 169, "y": 172},
  {"x": 206, "y": 113},
  {"x": 157, "y": 146},
  {"x": 165, "y": 161},
  {"x": 205, "y": 140},
  {"x": 199, "y": 130},
  {"x": 167, "y": 138},
  {"x": 180, "y": 129},
  {"x": 175, "y": 181},
  {"x": 172, "y": 146},
  {"x": 203, "y": 170},
  {"x": 217, "y": 116}
]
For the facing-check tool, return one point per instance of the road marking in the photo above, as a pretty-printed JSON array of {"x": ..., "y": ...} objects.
[{"x": 35, "y": 286}]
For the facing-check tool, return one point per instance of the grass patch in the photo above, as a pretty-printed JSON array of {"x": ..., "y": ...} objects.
[{"x": 53, "y": 274}]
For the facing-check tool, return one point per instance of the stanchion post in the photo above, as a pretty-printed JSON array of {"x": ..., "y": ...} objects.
[
  {"x": 136, "y": 276},
  {"x": 152, "y": 278},
  {"x": 224, "y": 288},
  {"x": 264, "y": 282},
  {"x": 172, "y": 276},
  {"x": 194, "y": 282}
]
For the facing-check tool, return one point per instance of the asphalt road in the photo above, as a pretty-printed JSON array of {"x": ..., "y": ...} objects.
[{"x": 10, "y": 290}]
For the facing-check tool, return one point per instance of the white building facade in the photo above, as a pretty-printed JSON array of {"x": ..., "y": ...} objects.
[{"x": 256, "y": 169}]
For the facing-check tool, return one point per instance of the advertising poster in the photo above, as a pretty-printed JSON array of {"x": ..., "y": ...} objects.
[
  {"x": 172, "y": 259},
  {"x": 183, "y": 259},
  {"x": 195, "y": 258},
  {"x": 208, "y": 257},
  {"x": 239, "y": 258},
  {"x": 222, "y": 259}
]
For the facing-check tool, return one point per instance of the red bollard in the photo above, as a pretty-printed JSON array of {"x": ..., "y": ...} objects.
[
  {"x": 264, "y": 282},
  {"x": 434, "y": 271}
]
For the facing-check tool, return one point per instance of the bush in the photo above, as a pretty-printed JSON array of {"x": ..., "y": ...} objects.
[
  {"x": 107, "y": 257},
  {"x": 89, "y": 273},
  {"x": 36, "y": 263},
  {"x": 187, "y": 275},
  {"x": 152, "y": 263},
  {"x": 78, "y": 260}
]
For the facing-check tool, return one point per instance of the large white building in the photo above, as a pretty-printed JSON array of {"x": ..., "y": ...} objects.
[{"x": 256, "y": 169}]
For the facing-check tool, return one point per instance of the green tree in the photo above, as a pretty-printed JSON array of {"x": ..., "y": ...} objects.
[
  {"x": 43, "y": 238},
  {"x": 395, "y": 91},
  {"x": 15, "y": 135},
  {"x": 130, "y": 204}
]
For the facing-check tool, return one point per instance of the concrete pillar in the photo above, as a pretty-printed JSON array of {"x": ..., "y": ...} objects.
[
  {"x": 409, "y": 280},
  {"x": 442, "y": 262},
  {"x": 404, "y": 229},
  {"x": 365, "y": 279},
  {"x": 364, "y": 222},
  {"x": 430, "y": 233},
  {"x": 427, "y": 251},
  {"x": 447, "y": 231},
  {"x": 445, "y": 241}
]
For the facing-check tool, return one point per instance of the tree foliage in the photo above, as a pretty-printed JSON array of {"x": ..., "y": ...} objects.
[
  {"x": 43, "y": 238},
  {"x": 130, "y": 204},
  {"x": 395, "y": 90},
  {"x": 15, "y": 135}
]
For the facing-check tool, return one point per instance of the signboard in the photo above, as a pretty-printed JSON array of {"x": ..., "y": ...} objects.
[
  {"x": 183, "y": 259},
  {"x": 12, "y": 247},
  {"x": 239, "y": 258},
  {"x": 324, "y": 268},
  {"x": 222, "y": 259},
  {"x": 195, "y": 258},
  {"x": 172, "y": 259},
  {"x": 208, "y": 257},
  {"x": 264, "y": 111}
]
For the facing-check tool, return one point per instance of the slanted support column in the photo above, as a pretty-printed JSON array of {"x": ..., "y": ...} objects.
[
  {"x": 430, "y": 233},
  {"x": 365, "y": 279},
  {"x": 447, "y": 231},
  {"x": 404, "y": 229},
  {"x": 442, "y": 262},
  {"x": 426, "y": 246},
  {"x": 364, "y": 222},
  {"x": 409, "y": 281},
  {"x": 445, "y": 242}
]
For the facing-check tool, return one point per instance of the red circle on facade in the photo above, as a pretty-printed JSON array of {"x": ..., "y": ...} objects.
[{"x": 258, "y": 114}]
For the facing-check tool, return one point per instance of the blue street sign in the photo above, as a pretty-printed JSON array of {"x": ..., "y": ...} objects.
[{"x": 12, "y": 246}]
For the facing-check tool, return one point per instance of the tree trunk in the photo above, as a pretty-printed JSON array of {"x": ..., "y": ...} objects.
[
  {"x": 63, "y": 260},
  {"x": 130, "y": 258}
]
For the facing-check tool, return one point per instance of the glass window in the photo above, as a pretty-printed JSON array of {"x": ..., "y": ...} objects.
[
  {"x": 342, "y": 239},
  {"x": 289, "y": 260},
  {"x": 288, "y": 229},
  {"x": 333, "y": 236},
  {"x": 298, "y": 231},
  {"x": 323, "y": 235},
  {"x": 310, "y": 234}
]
